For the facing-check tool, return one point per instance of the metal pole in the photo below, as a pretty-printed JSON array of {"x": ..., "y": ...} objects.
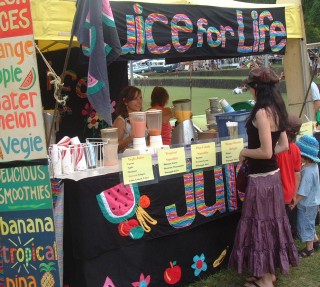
[{"x": 131, "y": 73}]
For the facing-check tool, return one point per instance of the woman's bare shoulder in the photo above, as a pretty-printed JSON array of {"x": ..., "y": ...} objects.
[{"x": 119, "y": 121}]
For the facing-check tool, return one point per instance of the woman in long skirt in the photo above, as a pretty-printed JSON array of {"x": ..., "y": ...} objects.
[{"x": 263, "y": 239}]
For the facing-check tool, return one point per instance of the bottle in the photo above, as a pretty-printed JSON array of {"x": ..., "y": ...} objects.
[{"x": 226, "y": 106}]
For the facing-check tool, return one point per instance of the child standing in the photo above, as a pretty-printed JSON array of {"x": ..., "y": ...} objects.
[
  {"x": 290, "y": 165},
  {"x": 308, "y": 197}
]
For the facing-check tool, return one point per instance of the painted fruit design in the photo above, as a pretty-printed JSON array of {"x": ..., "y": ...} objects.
[
  {"x": 47, "y": 279},
  {"x": 219, "y": 260},
  {"x": 108, "y": 283},
  {"x": 94, "y": 85},
  {"x": 29, "y": 80},
  {"x": 172, "y": 275},
  {"x": 125, "y": 227},
  {"x": 118, "y": 203}
]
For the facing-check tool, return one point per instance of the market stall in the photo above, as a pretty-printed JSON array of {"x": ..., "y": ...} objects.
[{"x": 178, "y": 214}]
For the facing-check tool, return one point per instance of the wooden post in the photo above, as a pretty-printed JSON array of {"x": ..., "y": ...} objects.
[{"x": 297, "y": 71}]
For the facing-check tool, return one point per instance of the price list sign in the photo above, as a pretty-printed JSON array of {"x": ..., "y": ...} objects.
[
  {"x": 172, "y": 161},
  {"x": 137, "y": 169},
  {"x": 230, "y": 150},
  {"x": 203, "y": 155},
  {"x": 21, "y": 121}
]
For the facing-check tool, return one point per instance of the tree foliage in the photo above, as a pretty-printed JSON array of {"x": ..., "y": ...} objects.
[{"x": 311, "y": 14}]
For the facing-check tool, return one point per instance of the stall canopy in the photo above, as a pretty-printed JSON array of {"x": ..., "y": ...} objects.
[
  {"x": 177, "y": 30},
  {"x": 52, "y": 19}
]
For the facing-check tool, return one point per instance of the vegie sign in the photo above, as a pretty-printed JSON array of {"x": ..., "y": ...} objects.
[{"x": 21, "y": 122}]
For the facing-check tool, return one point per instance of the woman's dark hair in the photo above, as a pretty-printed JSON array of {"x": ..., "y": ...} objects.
[
  {"x": 127, "y": 94},
  {"x": 265, "y": 82},
  {"x": 159, "y": 96}
]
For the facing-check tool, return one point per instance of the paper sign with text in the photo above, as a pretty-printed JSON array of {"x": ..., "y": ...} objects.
[
  {"x": 306, "y": 129},
  {"x": 230, "y": 150},
  {"x": 172, "y": 161},
  {"x": 203, "y": 155},
  {"x": 21, "y": 119},
  {"x": 25, "y": 188},
  {"x": 137, "y": 168}
]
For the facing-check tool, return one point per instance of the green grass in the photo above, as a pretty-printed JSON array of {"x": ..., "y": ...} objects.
[
  {"x": 199, "y": 96},
  {"x": 306, "y": 275}
]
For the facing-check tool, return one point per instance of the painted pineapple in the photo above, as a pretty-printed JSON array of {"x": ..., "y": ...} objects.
[{"x": 47, "y": 279}]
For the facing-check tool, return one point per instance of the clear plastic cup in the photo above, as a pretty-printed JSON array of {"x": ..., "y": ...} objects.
[
  {"x": 109, "y": 135},
  {"x": 232, "y": 129}
]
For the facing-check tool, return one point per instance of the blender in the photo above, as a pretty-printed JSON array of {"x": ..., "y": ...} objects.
[
  {"x": 138, "y": 126},
  {"x": 154, "y": 124},
  {"x": 184, "y": 132}
]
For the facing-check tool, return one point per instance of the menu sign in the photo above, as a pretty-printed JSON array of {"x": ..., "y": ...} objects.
[
  {"x": 306, "y": 129},
  {"x": 21, "y": 121},
  {"x": 172, "y": 161},
  {"x": 137, "y": 169},
  {"x": 203, "y": 155},
  {"x": 230, "y": 150}
]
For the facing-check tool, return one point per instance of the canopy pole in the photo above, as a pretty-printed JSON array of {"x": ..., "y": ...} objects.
[
  {"x": 79, "y": 6},
  {"x": 314, "y": 72}
]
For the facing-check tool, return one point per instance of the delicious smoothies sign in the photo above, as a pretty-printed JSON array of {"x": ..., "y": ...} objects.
[{"x": 29, "y": 253}]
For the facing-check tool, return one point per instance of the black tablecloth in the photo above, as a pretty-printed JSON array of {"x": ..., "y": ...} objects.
[{"x": 95, "y": 250}]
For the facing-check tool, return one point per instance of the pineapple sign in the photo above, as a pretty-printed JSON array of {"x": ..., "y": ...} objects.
[{"x": 29, "y": 254}]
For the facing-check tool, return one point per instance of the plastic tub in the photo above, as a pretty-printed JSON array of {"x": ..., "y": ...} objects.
[
  {"x": 238, "y": 116},
  {"x": 247, "y": 105}
]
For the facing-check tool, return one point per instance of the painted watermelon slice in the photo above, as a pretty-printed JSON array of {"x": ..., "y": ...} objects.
[
  {"x": 29, "y": 80},
  {"x": 118, "y": 203},
  {"x": 94, "y": 85}
]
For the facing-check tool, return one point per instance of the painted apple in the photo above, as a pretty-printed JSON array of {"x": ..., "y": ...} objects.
[
  {"x": 125, "y": 226},
  {"x": 172, "y": 275}
]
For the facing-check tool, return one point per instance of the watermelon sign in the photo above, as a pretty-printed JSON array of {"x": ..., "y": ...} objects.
[{"x": 29, "y": 80}]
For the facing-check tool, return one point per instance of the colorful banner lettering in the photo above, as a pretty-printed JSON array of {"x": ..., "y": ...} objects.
[{"x": 147, "y": 30}]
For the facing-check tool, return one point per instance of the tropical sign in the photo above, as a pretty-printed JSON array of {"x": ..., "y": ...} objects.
[
  {"x": 29, "y": 249},
  {"x": 148, "y": 30},
  {"x": 21, "y": 121}
]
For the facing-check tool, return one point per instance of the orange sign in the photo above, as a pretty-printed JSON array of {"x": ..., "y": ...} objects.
[{"x": 15, "y": 18}]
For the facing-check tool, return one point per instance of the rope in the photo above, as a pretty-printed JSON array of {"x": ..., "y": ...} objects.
[{"x": 56, "y": 81}]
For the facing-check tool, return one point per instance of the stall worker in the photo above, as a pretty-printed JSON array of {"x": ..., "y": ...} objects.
[
  {"x": 159, "y": 99},
  {"x": 130, "y": 100}
]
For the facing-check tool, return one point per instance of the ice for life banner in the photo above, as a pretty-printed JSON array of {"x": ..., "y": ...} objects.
[
  {"x": 29, "y": 252},
  {"x": 21, "y": 122}
]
